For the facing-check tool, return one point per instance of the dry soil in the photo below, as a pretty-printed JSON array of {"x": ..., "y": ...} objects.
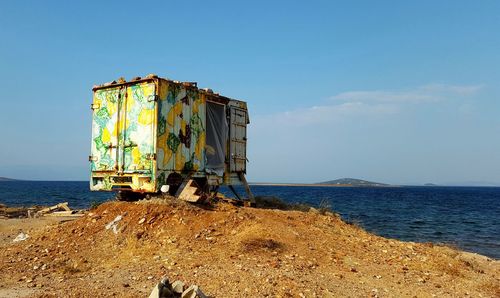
[{"x": 229, "y": 252}]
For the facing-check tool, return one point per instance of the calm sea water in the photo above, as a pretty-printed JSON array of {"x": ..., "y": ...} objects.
[{"x": 468, "y": 217}]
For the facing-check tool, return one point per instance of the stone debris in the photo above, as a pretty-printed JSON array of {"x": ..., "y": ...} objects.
[
  {"x": 21, "y": 237},
  {"x": 60, "y": 206},
  {"x": 60, "y": 209},
  {"x": 193, "y": 292},
  {"x": 165, "y": 289},
  {"x": 178, "y": 287},
  {"x": 114, "y": 224}
]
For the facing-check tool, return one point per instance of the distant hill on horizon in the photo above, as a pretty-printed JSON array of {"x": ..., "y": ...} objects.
[
  {"x": 352, "y": 182},
  {"x": 7, "y": 179}
]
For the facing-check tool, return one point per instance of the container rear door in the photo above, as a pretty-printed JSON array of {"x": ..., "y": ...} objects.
[
  {"x": 238, "y": 141},
  {"x": 104, "y": 152},
  {"x": 137, "y": 129}
]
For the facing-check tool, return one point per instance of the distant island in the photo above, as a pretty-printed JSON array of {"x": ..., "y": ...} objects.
[
  {"x": 343, "y": 182},
  {"x": 430, "y": 184},
  {"x": 352, "y": 182},
  {"x": 7, "y": 179}
]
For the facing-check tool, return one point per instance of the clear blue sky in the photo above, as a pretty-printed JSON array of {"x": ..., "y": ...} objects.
[{"x": 392, "y": 91}]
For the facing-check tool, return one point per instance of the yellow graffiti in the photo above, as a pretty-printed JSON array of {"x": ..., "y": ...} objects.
[
  {"x": 171, "y": 117},
  {"x": 97, "y": 102},
  {"x": 163, "y": 91},
  {"x": 196, "y": 104},
  {"x": 119, "y": 126},
  {"x": 112, "y": 107},
  {"x": 199, "y": 145},
  {"x": 167, "y": 153},
  {"x": 178, "y": 108},
  {"x": 145, "y": 117},
  {"x": 180, "y": 160},
  {"x": 148, "y": 90},
  {"x": 136, "y": 155},
  {"x": 105, "y": 136}
]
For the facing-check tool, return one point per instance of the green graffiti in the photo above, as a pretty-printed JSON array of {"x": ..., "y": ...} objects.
[
  {"x": 103, "y": 113},
  {"x": 173, "y": 142},
  {"x": 172, "y": 94},
  {"x": 99, "y": 144},
  {"x": 196, "y": 125},
  {"x": 162, "y": 180},
  {"x": 189, "y": 165},
  {"x": 162, "y": 125}
]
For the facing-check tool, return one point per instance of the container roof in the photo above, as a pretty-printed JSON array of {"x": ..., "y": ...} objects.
[{"x": 191, "y": 85}]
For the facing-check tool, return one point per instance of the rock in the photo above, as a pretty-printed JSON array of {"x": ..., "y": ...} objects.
[
  {"x": 21, "y": 237},
  {"x": 139, "y": 234},
  {"x": 193, "y": 292},
  {"x": 178, "y": 287},
  {"x": 155, "y": 293},
  {"x": 142, "y": 220},
  {"x": 114, "y": 224}
]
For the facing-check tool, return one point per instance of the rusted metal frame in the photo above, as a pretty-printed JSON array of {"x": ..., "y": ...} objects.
[
  {"x": 124, "y": 83},
  {"x": 154, "y": 134},
  {"x": 210, "y": 96},
  {"x": 234, "y": 191},
  {"x": 216, "y": 99},
  {"x": 118, "y": 128},
  {"x": 247, "y": 187},
  {"x": 124, "y": 130}
]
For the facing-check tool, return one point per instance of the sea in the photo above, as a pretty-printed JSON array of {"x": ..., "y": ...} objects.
[{"x": 464, "y": 217}]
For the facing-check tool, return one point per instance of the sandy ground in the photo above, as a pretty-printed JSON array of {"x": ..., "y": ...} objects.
[{"x": 229, "y": 252}]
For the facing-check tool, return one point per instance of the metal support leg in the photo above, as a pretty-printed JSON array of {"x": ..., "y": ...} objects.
[
  {"x": 247, "y": 188},
  {"x": 234, "y": 191}
]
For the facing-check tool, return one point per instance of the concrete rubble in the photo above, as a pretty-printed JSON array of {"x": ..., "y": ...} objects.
[
  {"x": 21, "y": 237},
  {"x": 177, "y": 289},
  {"x": 58, "y": 210},
  {"x": 113, "y": 225}
]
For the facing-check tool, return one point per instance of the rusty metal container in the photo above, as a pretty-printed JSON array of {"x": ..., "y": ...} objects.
[{"x": 152, "y": 133}]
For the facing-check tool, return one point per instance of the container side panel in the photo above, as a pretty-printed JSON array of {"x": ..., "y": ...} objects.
[
  {"x": 166, "y": 144},
  {"x": 181, "y": 130},
  {"x": 105, "y": 129}
]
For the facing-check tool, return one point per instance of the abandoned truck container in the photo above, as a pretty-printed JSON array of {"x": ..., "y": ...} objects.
[{"x": 153, "y": 134}]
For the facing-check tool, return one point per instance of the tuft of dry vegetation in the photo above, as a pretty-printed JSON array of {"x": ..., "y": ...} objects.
[{"x": 261, "y": 244}]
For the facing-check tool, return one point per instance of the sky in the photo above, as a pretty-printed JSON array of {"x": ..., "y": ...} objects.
[{"x": 401, "y": 92}]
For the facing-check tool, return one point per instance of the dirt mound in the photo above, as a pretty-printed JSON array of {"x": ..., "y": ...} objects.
[{"x": 125, "y": 248}]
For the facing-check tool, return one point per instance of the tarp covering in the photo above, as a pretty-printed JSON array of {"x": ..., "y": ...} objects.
[{"x": 217, "y": 130}]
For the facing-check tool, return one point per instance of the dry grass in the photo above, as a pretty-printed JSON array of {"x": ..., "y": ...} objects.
[{"x": 262, "y": 244}]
